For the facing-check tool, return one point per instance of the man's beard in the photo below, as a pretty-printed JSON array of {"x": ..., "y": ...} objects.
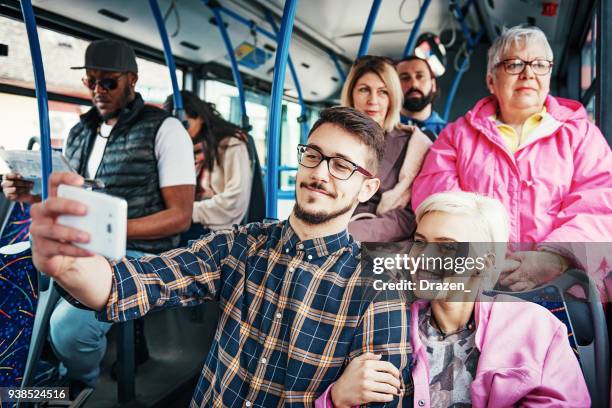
[
  {"x": 412, "y": 104},
  {"x": 318, "y": 217},
  {"x": 125, "y": 98}
]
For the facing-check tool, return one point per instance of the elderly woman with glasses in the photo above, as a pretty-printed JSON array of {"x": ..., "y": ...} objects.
[
  {"x": 538, "y": 154},
  {"x": 373, "y": 87}
]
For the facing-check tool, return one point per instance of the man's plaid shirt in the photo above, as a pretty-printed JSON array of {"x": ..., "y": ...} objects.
[{"x": 293, "y": 313}]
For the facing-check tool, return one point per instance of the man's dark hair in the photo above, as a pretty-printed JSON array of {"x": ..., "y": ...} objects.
[
  {"x": 358, "y": 124},
  {"x": 431, "y": 73}
]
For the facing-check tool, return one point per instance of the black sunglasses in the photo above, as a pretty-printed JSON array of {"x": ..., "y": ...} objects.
[{"x": 108, "y": 83}]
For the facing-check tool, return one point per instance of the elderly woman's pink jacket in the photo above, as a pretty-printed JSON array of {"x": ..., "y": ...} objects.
[
  {"x": 557, "y": 188},
  {"x": 526, "y": 359}
]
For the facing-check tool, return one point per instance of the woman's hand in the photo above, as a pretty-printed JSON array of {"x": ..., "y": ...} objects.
[
  {"x": 526, "y": 270},
  {"x": 366, "y": 379},
  {"x": 397, "y": 197}
]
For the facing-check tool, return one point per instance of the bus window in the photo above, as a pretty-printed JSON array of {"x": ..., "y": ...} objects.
[
  {"x": 154, "y": 83},
  {"x": 225, "y": 99},
  {"x": 221, "y": 94},
  {"x": 289, "y": 142},
  {"x": 60, "y": 52},
  {"x": 20, "y": 120}
]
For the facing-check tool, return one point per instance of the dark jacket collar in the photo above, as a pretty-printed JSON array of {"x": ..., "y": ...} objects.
[{"x": 128, "y": 114}]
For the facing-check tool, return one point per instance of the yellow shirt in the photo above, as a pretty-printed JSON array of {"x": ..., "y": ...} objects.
[{"x": 511, "y": 138}]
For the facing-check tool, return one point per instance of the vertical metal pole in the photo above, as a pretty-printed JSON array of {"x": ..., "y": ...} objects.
[
  {"x": 603, "y": 95},
  {"x": 296, "y": 81},
  {"x": 341, "y": 72},
  {"x": 41, "y": 94},
  {"x": 47, "y": 297},
  {"x": 415, "y": 29},
  {"x": 235, "y": 71},
  {"x": 369, "y": 28},
  {"x": 282, "y": 52},
  {"x": 453, "y": 91},
  {"x": 454, "y": 88},
  {"x": 163, "y": 34}
]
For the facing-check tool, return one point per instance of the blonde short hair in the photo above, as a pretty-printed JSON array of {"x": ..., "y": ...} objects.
[
  {"x": 515, "y": 36},
  {"x": 386, "y": 72},
  {"x": 489, "y": 214}
]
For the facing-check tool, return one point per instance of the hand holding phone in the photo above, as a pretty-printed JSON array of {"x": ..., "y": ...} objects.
[{"x": 105, "y": 221}]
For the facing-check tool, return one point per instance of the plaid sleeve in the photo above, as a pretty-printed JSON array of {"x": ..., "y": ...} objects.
[
  {"x": 385, "y": 330},
  {"x": 180, "y": 277}
]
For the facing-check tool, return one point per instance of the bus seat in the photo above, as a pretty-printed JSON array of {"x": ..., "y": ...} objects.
[
  {"x": 257, "y": 202},
  {"x": 586, "y": 326},
  {"x": 14, "y": 222},
  {"x": 18, "y": 303}
]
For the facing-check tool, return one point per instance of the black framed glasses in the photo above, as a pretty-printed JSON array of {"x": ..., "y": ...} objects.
[
  {"x": 107, "y": 83},
  {"x": 338, "y": 167},
  {"x": 516, "y": 66}
]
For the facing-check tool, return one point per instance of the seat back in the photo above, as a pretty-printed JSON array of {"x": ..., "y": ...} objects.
[
  {"x": 18, "y": 303},
  {"x": 14, "y": 222},
  {"x": 256, "y": 211},
  {"x": 586, "y": 326}
]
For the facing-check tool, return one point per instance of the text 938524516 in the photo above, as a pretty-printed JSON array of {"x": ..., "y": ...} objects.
[{"x": 32, "y": 394}]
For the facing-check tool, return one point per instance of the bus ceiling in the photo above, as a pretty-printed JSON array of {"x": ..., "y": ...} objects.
[{"x": 326, "y": 37}]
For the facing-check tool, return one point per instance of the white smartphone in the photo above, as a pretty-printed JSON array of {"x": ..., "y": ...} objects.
[{"x": 105, "y": 221}]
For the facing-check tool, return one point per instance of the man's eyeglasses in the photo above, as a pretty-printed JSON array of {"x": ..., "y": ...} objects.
[
  {"x": 338, "y": 167},
  {"x": 108, "y": 83},
  {"x": 516, "y": 66}
]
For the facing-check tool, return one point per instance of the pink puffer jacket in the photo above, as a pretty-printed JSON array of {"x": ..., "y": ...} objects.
[{"x": 557, "y": 188}]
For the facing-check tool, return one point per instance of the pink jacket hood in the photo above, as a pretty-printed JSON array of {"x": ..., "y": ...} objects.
[{"x": 525, "y": 359}]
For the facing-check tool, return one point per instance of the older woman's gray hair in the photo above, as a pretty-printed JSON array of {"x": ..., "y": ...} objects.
[{"x": 516, "y": 35}]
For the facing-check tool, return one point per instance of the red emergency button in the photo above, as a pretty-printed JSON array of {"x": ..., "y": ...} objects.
[{"x": 549, "y": 9}]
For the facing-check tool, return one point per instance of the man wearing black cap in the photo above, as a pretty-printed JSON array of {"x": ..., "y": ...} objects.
[{"x": 140, "y": 153}]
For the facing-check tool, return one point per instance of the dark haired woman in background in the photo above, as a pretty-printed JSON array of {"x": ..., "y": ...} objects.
[{"x": 223, "y": 168}]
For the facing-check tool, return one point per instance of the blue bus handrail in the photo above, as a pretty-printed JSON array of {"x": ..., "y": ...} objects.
[
  {"x": 470, "y": 42},
  {"x": 298, "y": 88},
  {"x": 41, "y": 95},
  {"x": 336, "y": 62},
  {"x": 46, "y": 294},
  {"x": 409, "y": 49},
  {"x": 282, "y": 52},
  {"x": 459, "y": 14},
  {"x": 179, "y": 110},
  {"x": 455, "y": 86},
  {"x": 249, "y": 23},
  {"x": 234, "y": 63},
  {"x": 369, "y": 28}
]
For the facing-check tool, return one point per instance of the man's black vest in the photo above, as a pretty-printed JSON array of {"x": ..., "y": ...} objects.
[{"x": 129, "y": 167}]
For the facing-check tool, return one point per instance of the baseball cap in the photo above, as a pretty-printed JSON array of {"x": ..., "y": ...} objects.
[{"x": 110, "y": 55}]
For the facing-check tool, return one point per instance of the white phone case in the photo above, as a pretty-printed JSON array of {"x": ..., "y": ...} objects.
[{"x": 105, "y": 221}]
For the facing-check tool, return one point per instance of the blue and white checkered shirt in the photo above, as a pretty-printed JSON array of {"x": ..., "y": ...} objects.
[{"x": 293, "y": 313}]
